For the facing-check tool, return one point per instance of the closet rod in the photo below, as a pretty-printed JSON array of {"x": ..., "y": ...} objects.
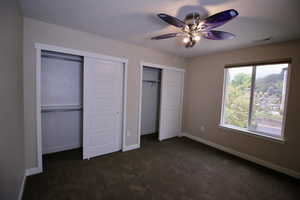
[
  {"x": 151, "y": 81},
  {"x": 61, "y": 110}
]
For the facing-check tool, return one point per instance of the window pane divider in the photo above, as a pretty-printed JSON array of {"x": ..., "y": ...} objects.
[{"x": 251, "y": 96}]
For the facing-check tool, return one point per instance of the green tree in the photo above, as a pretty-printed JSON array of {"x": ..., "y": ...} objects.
[
  {"x": 242, "y": 81},
  {"x": 237, "y": 100}
]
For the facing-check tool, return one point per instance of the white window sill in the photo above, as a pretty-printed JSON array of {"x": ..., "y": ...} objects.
[{"x": 252, "y": 133}]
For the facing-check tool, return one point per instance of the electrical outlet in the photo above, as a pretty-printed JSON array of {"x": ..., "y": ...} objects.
[
  {"x": 202, "y": 129},
  {"x": 128, "y": 133}
]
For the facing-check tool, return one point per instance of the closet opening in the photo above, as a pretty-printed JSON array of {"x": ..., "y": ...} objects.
[
  {"x": 150, "y": 108},
  {"x": 61, "y": 100},
  {"x": 81, "y": 100},
  {"x": 160, "y": 102}
]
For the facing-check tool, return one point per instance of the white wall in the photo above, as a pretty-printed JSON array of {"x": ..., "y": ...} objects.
[
  {"x": 37, "y": 31},
  {"x": 150, "y": 100},
  {"x": 11, "y": 106}
]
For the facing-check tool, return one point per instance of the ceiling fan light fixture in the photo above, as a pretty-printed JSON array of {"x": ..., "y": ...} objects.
[
  {"x": 185, "y": 39},
  {"x": 193, "y": 28},
  {"x": 197, "y": 38}
]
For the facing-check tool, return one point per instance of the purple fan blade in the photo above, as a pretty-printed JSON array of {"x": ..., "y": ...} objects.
[
  {"x": 165, "y": 36},
  {"x": 218, "y": 19},
  {"x": 218, "y": 35},
  {"x": 171, "y": 20}
]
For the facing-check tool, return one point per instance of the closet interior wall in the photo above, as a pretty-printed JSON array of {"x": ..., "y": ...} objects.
[
  {"x": 61, "y": 101},
  {"x": 150, "y": 100}
]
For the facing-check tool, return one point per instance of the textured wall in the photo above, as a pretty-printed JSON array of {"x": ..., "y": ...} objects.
[
  {"x": 203, "y": 97},
  {"x": 37, "y": 31},
  {"x": 11, "y": 106}
]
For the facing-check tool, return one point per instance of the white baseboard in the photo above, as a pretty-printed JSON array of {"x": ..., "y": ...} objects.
[
  {"x": 182, "y": 134},
  {"x": 256, "y": 160},
  {"x": 61, "y": 148},
  {"x": 131, "y": 147},
  {"x": 22, "y": 187},
  {"x": 33, "y": 171}
]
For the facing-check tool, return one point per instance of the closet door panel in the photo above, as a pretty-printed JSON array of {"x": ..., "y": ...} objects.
[
  {"x": 171, "y": 104},
  {"x": 102, "y": 111}
]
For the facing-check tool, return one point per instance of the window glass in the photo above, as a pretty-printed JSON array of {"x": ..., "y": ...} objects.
[
  {"x": 254, "y": 98},
  {"x": 237, "y": 98},
  {"x": 268, "y": 98}
]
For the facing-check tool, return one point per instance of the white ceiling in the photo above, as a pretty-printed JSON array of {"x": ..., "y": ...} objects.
[{"x": 135, "y": 21}]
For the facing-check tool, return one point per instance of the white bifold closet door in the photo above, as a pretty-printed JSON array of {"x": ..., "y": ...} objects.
[
  {"x": 102, "y": 102},
  {"x": 171, "y": 103}
]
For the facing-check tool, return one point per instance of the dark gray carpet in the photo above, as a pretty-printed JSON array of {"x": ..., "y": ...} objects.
[{"x": 178, "y": 168}]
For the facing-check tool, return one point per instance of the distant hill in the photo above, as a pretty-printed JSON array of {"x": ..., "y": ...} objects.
[{"x": 271, "y": 85}]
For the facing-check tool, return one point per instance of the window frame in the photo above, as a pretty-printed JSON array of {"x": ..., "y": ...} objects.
[{"x": 282, "y": 138}]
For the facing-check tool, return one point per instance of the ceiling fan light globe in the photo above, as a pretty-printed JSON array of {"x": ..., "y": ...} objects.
[
  {"x": 197, "y": 38},
  {"x": 186, "y": 29},
  {"x": 185, "y": 40}
]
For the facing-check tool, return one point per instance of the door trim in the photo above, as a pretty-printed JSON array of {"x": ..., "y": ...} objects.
[
  {"x": 39, "y": 48},
  {"x": 162, "y": 67}
]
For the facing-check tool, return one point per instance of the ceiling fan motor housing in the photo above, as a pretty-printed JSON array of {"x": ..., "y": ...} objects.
[{"x": 192, "y": 18}]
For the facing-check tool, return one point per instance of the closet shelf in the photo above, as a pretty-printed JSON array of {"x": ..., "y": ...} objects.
[{"x": 60, "y": 108}]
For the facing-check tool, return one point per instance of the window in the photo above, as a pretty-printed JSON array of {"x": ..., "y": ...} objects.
[{"x": 254, "y": 99}]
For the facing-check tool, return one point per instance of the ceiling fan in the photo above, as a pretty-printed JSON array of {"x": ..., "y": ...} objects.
[{"x": 193, "y": 28}]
